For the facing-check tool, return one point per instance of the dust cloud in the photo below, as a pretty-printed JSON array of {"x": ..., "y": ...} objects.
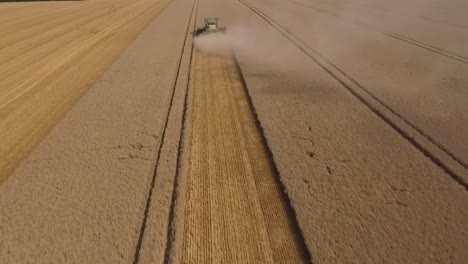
[{"x": 261, "y": 48}]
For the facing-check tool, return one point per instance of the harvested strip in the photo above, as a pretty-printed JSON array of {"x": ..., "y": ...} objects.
[
  {"x": 235, "y": 210},
  {"x": 48, "y": 63}
]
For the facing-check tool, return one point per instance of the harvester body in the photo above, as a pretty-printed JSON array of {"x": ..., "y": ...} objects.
[{"x": 211, "y": 26}]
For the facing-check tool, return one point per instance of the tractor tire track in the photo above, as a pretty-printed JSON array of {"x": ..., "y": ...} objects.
[
  {"x": 428, "y": 146},
  {"x": 171, "y": 232},
  {"x": 414, "y": 42},
  {"x": 279, "y": 215},
  {"x": 160, "y": 147},
  {"x": 91, "y": 174}
]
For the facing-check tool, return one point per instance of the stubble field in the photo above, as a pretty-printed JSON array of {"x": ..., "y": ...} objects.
[
  {"x": 50, "y": 53},
  {"x": 310, "y": 131}
]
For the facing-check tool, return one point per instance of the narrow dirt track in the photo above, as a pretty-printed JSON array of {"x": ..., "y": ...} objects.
[
  {"x": 50, "y": 53},
  {"x": 235, "y": 210}
]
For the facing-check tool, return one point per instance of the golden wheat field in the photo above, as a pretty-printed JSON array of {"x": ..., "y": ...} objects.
[{"x": 50, "y": 53}]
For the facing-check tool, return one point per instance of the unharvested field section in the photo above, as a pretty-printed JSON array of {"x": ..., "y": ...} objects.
[{"x": 50, "y": 53}]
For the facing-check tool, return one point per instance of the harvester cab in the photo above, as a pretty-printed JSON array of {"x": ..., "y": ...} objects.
[{"x": 211, "y": 26}]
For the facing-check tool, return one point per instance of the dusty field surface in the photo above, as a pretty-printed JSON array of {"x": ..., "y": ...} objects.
[
  {"x": 50, "y": 53},
  {"x": 414, "y": 67},
  {"x": 362, "y": 106},
  {"x": 235, "y": 211},
  {"x": 368, "y": 184},
  {"x": 80, "y": 196}
]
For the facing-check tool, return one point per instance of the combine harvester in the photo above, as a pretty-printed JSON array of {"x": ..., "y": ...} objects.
[{"x": 211, "y": 26}]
